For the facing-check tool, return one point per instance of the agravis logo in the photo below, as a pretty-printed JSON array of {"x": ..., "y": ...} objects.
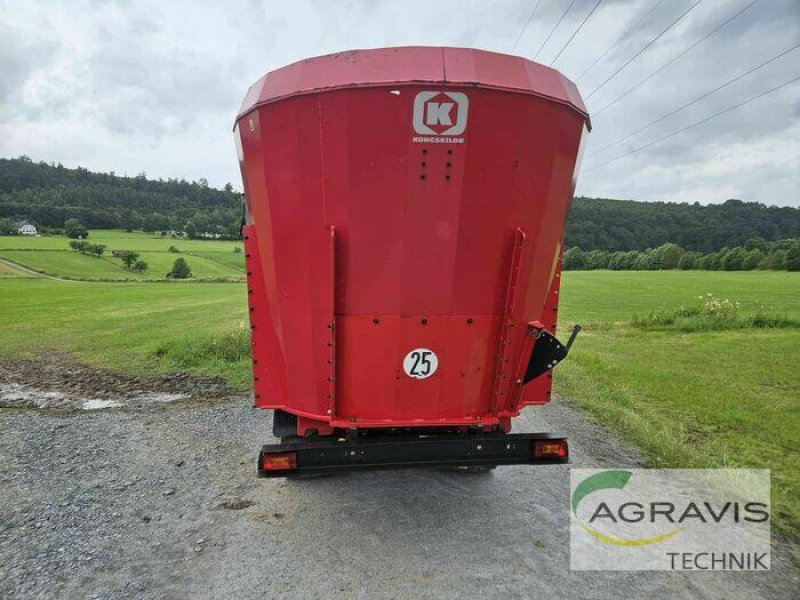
[
  {"x": 440, "y": 117},
  {"x": 654, "y": 519}
]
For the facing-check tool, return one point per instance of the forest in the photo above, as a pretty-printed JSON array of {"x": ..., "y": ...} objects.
[{"x": 48, "y": 195}]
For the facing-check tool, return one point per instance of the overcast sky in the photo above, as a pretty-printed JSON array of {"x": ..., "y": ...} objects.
[{"x": 154, "y": 86}]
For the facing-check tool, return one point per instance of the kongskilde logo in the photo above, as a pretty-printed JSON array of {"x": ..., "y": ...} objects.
[
  {"x": 440, "y": 117},
  {"x": 669, "y": 519}
]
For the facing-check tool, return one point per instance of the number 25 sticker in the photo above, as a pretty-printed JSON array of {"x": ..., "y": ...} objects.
[{"x": 420, "y": 363}]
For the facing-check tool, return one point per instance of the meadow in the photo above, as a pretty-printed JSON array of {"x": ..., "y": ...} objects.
[
  {"x": 727, "y": 398},
  {"x": 687, "y": 399},
  {"x": 51, "y": 255}
]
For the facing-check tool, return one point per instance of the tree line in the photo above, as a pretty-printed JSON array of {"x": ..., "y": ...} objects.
[
  {"x": 49, "y": 195},
  {"x": 615, "y": 225},
  {"x": 756, "y": 253}
]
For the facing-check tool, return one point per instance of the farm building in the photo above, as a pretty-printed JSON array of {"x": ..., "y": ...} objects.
[{"x": 25, "y": 228}]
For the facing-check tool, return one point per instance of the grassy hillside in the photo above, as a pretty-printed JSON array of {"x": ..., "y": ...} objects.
[{"x": 208, "y": 259}]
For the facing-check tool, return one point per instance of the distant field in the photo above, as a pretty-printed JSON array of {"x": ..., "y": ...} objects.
[
  {"x": 119, "y": 240},
  {"x": 208, "y": 259},
  {"x": 592, "y": 296},
  {"x": 718, "y": 398}
]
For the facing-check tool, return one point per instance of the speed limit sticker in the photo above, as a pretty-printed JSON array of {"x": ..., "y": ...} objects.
[{"x": 420, "y": 363}]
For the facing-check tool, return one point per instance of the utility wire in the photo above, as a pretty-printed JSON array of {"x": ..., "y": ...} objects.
[
  {"x": 657, "y": 71},
  {"x": 527, "y": 24},
  {"x": 574, "y": 33},
  {"x": 639, "y": 53},
  {"x": 696, "y": 100},
  {"x": 547, "y": 39},
  {"x": 620, "y": 39},
  {"x": 696, "y": 123}
]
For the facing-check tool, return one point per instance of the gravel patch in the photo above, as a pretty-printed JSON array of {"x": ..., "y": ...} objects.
[{"x": 163, "y": 502}]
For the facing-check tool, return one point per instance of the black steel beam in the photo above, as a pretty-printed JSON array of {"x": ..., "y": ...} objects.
[{"x": 322, "y": 455}]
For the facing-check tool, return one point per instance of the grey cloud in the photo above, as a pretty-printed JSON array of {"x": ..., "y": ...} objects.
[
  {"x": 20, "y": 58},
  {"x": 148, "y": 86}
]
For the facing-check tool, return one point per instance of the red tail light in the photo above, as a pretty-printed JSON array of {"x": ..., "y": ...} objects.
[
  {"x": 550, "y": 448},
  {"x": 285, "y": 461}
]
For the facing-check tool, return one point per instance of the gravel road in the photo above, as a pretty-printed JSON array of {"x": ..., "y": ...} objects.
[{"x": 159, "y": 499}]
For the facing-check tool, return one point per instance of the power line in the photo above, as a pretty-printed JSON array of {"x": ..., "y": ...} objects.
[
  {"x": 527, "y": 24},
  {"x": 574, "y": 33},
  {"x": 696, "y": 100},
  {"x": 656, "y": 72},
  {"x": 639, "y": 53},
  {"x": 547, "y": 39},
  {"x": 696, "y": 123},
  {"x": 620, "y": 39}
]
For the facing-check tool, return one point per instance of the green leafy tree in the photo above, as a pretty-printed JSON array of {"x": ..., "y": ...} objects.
[
  {"x": 73, "y": 229},
  {"x": 670, "y": 255},
  {"x": 574, "y": 259},
  {"x": 97, "y": 249},
  {"x": 688, "y": 260},
  {"x": 129, "y": 258},
  {"x": 191, "y": 229},
  {"x": 756, "y": 243},
  {"x": 7, "y": 227},
  {"x": 793, "y": 257},
  {"x": 776, "y": 261},
  {"x": 597, "y": 259},
  {"x": 752, "y": 259},
  {"x": 734, "y": 260},
  {"x": 180, "y": 269},
  {"x": 140, "y": 266}
]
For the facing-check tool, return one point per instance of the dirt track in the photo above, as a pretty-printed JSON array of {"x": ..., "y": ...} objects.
[{"x": 159, "y": 499}]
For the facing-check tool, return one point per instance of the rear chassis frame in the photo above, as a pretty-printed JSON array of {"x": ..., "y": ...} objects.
[{"x": 332, "y": 455}]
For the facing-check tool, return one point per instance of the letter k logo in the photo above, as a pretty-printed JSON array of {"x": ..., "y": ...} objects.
[{"x": 440, "y": 113}]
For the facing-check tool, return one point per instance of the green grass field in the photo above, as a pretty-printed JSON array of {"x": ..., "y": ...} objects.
[
  {"x": 51, "y": 255},
  {"x": 121, "y": 326},
  {"x": 9, "y": 271},
  {"x": 704, "y": 399}
]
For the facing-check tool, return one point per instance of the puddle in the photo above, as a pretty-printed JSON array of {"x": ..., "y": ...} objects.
[
  {"x": 97, "y": 404},
  {"x": 14, "y": 395},
  {"x": 150, "y": 397}
]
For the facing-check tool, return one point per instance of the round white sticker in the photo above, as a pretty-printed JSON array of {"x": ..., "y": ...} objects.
[{"x": 420, "y": 363}]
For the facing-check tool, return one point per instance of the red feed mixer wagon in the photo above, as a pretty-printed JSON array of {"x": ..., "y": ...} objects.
[{"x": 404, "y": 218}]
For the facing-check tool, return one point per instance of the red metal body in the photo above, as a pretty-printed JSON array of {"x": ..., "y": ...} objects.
[{"x": 401, "y": 199}]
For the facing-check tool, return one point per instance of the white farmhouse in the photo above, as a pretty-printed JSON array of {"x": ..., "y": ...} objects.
[{"x": 27, "y": 229}]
